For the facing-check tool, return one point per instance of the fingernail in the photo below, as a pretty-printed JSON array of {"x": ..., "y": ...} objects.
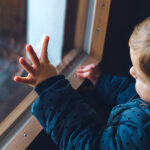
[
  {"x": 14, "y": 78},
  {"x": 28, "y": 46},
  {"x": 47, "y": 38},
  {"x": 21, "y": 60}
]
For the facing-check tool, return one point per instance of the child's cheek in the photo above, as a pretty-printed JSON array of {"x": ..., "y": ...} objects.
[
  {"x": 138, "y": 88},
  {"x": 141, "y": 90}
]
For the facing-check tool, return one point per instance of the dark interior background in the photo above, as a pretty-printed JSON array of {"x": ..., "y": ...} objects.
[{"x": 124, "y": 15}]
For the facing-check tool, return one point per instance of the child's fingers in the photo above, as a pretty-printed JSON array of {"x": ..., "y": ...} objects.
[
  {"x": 79, "y": 71},
  {"x": 44, "y": 54},
  {"x": 33, "y": 56},
  {"x": 81, "y": 67},
  {"x": 24, "y": 80},
  {"x": 84, "y": 75},
  {"x": 87, "y": 68},
  {"x": 26, "y": 66}
]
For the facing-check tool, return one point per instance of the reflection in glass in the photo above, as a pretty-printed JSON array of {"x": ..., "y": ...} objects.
[
  {"x": 26, "y": 21},
  {"x": 12, "y": 42}
]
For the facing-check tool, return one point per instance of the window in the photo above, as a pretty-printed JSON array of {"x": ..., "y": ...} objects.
[
  {"x": 22, "y": 23},
  {"x": 74, "y": 52},
  {"x": 12, "y": 41}
]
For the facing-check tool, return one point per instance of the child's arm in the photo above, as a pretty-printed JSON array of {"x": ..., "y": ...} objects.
[
  {"x": 111, "y": 89},
  {"x": 114, "y": 90},
  {"x": 73, "y": 124}
]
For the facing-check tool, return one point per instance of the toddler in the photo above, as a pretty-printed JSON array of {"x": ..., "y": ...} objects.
[{"x": 72, "y": 123}]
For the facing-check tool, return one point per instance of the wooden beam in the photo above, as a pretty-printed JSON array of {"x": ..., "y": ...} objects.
[
  {"x": 81, "y": 23},
  {"x": 25, "y": 135},
  {"x": 67, "y": 60},
  {"x": 99, "y": 28},
  {"x": 17, "y": 112}
]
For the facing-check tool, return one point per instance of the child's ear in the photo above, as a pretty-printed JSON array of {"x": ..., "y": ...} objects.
[{"x": 132, "y": 72}]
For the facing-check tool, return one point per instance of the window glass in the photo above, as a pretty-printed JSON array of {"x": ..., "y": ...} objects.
[
  {"x": 54, "y": 18},
  {"x": 27, "y": 21},
  {"x": 12, "y": 41},
  {"x": 47, "y": 18}
]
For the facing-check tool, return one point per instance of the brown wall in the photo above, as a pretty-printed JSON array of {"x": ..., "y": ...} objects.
[{"x": 12, "y": 18}]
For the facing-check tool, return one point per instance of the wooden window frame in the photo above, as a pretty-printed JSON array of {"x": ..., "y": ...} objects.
[{"x": 31, "y": 128}]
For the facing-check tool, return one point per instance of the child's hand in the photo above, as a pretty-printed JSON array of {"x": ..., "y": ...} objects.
[
  {"x": 91, "y": 72},
  {"x": 40, "y": 70}
]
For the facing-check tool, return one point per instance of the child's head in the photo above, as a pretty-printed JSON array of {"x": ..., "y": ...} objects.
[{"x": 139, "y": 43}]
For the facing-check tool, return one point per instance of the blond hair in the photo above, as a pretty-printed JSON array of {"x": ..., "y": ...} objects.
[{"x": 140, "y": 41}]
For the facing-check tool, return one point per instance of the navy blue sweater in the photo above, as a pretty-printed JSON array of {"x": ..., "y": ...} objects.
[{"x": 74, "y": 125}]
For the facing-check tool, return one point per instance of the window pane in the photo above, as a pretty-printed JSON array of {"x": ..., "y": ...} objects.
[
  {"x": 54, "y": 18},
  {"x": 26, "y": 21},
  {"x": 12, "y": 41}
]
